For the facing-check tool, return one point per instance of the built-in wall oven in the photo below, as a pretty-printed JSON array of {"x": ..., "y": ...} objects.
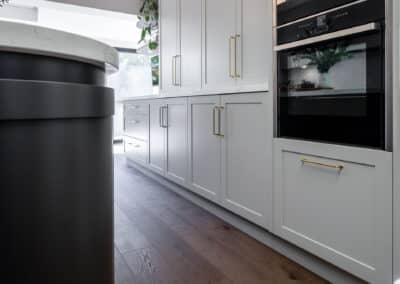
[{"x": 331, "y": 71}]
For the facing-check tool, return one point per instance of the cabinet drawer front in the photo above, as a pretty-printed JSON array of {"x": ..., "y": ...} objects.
[
  {"x": 337, "y": 208},
  {"x": 136, "y": 108},
  {"x": 137, "y": 126},
  {"x": 136, "y": 150}
]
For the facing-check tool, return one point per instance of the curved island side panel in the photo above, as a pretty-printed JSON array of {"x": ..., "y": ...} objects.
[{"x": 56, "y": 175}]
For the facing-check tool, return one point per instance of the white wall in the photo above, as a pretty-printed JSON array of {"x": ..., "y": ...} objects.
[{"x": 125, "y": 6}]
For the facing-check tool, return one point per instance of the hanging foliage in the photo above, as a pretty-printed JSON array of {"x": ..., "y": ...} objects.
[
  {"x": 148, "y": 23},
  {"x": 2, "y": 2}
]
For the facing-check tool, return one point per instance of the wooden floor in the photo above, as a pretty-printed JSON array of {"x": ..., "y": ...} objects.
[{"x": 162, "y": 238}]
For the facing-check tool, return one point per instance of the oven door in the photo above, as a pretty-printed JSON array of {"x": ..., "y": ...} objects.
[{"x": 334, "y": 90}]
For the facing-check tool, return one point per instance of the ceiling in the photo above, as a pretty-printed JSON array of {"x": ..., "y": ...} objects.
[{"x": 125, "y": 6}]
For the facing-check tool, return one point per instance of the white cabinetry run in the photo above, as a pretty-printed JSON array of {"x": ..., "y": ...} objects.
[
  {"x": 204, "y": 50},
  {"x": 220, "y": 147}
]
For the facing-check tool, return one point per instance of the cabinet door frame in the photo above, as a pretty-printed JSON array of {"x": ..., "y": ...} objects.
[
  {"x": 190, "y": 45},
  {"x": 229, "y": 84},
  {"x": 166, "y": 60},
  {"x": 182, "y": 180},
  {"x": 262, "y": 217},
  {"x": 197, "y": 188},
  {"x": 383, "y": 250},
  {"x": 159, "y": 170},
  {"x": 260, "y": 82}
]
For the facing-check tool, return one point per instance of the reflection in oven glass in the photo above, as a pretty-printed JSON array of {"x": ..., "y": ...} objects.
[{"x": 338, "y": 69}]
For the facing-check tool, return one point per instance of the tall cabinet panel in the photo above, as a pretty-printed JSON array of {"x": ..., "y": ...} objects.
[
  {"x": 204, "y": 147},
  {"x": 169, "y": 45},
  {"x": 190, "y": 44},
  {"x": 157, "y": 136},
  {"x": 176, "y": 131},
  {"x": 247, "y": 156},
  {"x": 254, "y": 43},
  {"x": 218, "y": 51}
]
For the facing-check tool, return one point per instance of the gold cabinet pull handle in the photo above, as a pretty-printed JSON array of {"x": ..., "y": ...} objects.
[
  {"x": 315, "y": 163},
  {"x": 220, "y": 108},
  {"x": 160, "y": 116},
  {"x": 230, "y": 55},
  {"x": 213, "y": 114},
  {"x": 166, "y": 118},
  {"x": 173, "y": 71},
  {"x": 237, "y": 37}
]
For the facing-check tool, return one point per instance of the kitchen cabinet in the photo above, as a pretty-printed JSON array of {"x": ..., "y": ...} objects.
[
  {"x": 190, "y": 45},
  {"x": 336, "y": 202},
  {"x": 157, "y": 127},
  {"x": 206, "y": 51},
  {"x": 237, "y": 52},
  {"x": 136, "y": 150},
  {"x": 176, "y": 140},
  {"x": 136, "y": 131},
  {"x": 180, "y": 46},
  {"x": 136, "y": 120},
  {"x": 247, "y": 129},
  {"x": 230, "y": 160},
  {"x": 168, "y": 138},
  {"x": 169, "y": 45},
  {"x": 219, "y": 41},
  {"x": 204, "y": 147},
  {"x": 254, "y": 56}
]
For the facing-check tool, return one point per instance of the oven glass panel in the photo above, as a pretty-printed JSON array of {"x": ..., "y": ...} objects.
[
  {"x": 334, "y": 91},
  {"x": 291, "y": 10}
]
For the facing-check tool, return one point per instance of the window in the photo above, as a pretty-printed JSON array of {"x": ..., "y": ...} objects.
[{"x": 138, "y": 75}]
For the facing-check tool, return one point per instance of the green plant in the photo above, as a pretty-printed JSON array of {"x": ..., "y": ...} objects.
[
  {"x": 327, "y": 58},
  {"x": 2, "y": 2},
  {"x": 148, "y": 22}
]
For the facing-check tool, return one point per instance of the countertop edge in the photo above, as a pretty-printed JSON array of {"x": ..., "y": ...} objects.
[{"x": 34, "y": 39}]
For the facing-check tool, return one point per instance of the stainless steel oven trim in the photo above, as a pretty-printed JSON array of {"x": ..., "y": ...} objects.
[
  {"x": 338, "y": 34},
  {"x": 389, "y": 75},
  {"x": 312, "y": 16}
]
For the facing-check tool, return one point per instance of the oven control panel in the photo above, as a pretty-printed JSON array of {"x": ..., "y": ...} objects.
[{"x": 363, "y": 13}]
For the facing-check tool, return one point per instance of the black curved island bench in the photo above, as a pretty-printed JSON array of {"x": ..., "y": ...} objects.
[{"x": 56, "y": 175}]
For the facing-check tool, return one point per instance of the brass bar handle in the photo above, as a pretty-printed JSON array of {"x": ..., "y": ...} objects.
[
  {"x": 220, "y": 108},
  {"x": 165, "y": 118},
  {"x": 230, "y": 56},
  {"x": 237, "y": 37},
  {"x": 173, "y": 71},
  {"x": 160, "y": 116},
  {"x": 215, "y": 109},
  {"x": 315, "y": 163},
  {"x": 177, "y": 78}
]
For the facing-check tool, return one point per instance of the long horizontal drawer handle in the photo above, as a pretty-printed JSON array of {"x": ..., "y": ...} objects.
[{"x": 315, "y": 163}]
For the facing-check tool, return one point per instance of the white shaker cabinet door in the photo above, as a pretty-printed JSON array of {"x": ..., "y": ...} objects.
[
  {"x": 157, "y": 136},
  {"x": 336, "y": 202},
  {"x": 169, "y": 45},
  {"x": 190, "y": 45},
  {"x": 247, "y": 127},
  {"x": 176, "y": 140},
  {"x": 254, "y": 43},
  {"x": 218, "y": 51},
  {"x": 204, "y": 147}
]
